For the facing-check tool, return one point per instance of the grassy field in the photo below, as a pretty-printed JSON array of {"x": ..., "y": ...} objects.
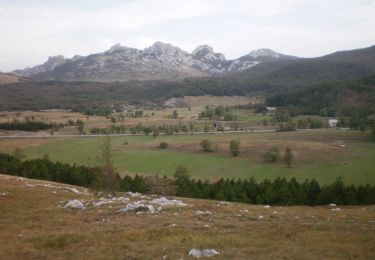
[
  {"x": 33, "y": 226},
  {"x": 315, "y": 154}
]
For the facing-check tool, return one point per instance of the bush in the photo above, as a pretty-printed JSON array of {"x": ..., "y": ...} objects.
[
  {"x": 286, "y": 127},
  {"x": 234, "y": 147},
  {"x": 288, "y": 156},
  {"x": 206, "y": 145},
  {"x": 163, "y": 145},
  {"x": 273, "y": 155},
  {"x": 161, "y": 186}
]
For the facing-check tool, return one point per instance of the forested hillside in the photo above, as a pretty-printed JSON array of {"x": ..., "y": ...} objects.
[
  {"x": 353, "y": 98},
  {"x": 341, "y": 65}
]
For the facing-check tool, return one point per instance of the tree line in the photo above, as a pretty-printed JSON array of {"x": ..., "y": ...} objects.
[
  {"x": 29, "y": 125},
  {"x": 218, "y": 113},
  {"x": 275, "y": 192},
  {"x": 44, "y": 169}
]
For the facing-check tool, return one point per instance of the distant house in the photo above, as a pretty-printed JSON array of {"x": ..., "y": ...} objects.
[
  {"x": 172, "y": 102},
  {"x": 333, "y": 122},
  {"x": 128, "y": 108},
  {"x": 271, "y": 109}
]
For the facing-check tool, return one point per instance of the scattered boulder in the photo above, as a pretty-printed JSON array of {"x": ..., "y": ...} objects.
[
  {"x": 101, "y": 202},
  {"x": 200, "y": 212},
  {"x": 267, "y": 206},
  {"x": 133, "y": 194},
  {"x": 63, "y": 188},
  {"x": 210, "y": 252},
  {"x": 195, "y": 253},
  {"x": 336, "y": 209},
  {"x": 332, "y": 205},
  {"x": 100, "y": 193},
  {"x": 138, "y": 206},
  {"x": 163, "y": 201},
  {"x": 75, "y": 204},
  {"x": 224, "y": 203},
  {"x": 203, "y": 253},
  {"x": 121, "y": 199},
  {"x": 74, "y": 190}
]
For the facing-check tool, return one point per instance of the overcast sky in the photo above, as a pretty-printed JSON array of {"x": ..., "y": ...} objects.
[{"x": 32, "y": 30}]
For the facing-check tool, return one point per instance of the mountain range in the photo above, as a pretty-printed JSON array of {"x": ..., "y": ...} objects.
[
  {"x": 336, "y": 83},
  {"x": 161, "y": 61}
]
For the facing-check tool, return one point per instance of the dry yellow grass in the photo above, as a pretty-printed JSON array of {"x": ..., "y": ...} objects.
[
  {"x": 34, "y": 227},
  {"x": 8, "y": 79},
  {"x": 201, "y": 101}
]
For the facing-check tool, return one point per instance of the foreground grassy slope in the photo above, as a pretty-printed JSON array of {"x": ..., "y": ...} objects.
[
  {"x": 34, "y": 227},
  {"x": 315, "y": 156}
]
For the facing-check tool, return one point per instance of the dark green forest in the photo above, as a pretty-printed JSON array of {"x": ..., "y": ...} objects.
[
  {"x": 29, "y": 125},
  {"x": 355, "y": 98}
]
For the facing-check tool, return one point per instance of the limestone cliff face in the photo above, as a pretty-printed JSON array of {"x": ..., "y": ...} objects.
[{"x": 159, "y": 61}]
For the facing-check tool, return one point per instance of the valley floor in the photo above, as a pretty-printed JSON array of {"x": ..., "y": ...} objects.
[
  {"x": 33, "y": 226},
  {"x": 316, "y": 154}
]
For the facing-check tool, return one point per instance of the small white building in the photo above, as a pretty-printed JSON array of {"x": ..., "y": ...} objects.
[
  {"x": 333, "y": 122},
  {"x": 172, "y": 102},
  {"x": 271, "y": 109}
]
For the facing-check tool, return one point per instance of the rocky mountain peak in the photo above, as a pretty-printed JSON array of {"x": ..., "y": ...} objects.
[
  {"x": 202, "y": 49},
  {"x": 264, "y": 53},
  {"x": 161, "y": 47},
  {"x": 116, "y": 47},
  {"x": 206, "y": 53},
  {"x": 167, "y": 54},
  {"x": 54, "y": 61}
]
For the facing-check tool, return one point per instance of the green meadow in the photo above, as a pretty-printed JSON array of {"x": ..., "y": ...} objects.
[{"x": 142, "y": 156}]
